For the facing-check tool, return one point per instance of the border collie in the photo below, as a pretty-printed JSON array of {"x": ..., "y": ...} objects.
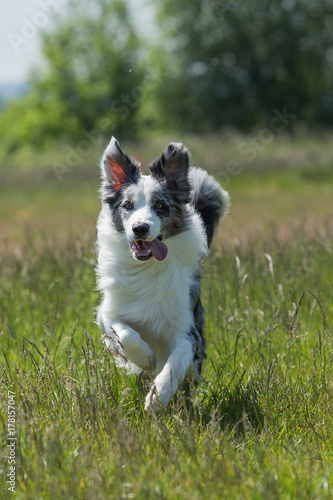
[{"x": 153, "y": 231}]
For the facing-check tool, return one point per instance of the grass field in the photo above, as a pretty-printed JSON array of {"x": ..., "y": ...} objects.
[{"x": 260, "y": 424}]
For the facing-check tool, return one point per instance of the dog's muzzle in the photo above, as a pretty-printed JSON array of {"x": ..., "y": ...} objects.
[
  {"x": 140, "y": 230},
  {"x": 144, "y": 250}
]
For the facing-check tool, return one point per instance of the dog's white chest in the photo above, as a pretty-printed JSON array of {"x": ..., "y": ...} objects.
[{"x": 152, "y": 299}]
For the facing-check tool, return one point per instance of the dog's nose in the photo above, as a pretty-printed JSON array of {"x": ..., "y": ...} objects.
[{"x": 140, "y": 229}]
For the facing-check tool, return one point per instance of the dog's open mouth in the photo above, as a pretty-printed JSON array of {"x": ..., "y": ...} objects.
[{"x": 143, "y": 250}]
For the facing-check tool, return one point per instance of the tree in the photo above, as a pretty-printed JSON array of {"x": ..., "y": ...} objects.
[
  {"x": 232, "y": 62},
  {"x": 92, "y": 79}
]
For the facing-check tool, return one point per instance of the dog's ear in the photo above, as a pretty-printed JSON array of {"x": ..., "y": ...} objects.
[
  {"x": 172, "y": 166},
  {"x": 118, "y": 168}
]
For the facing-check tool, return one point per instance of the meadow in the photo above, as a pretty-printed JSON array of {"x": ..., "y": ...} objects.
[{"x": 260, "y": 424}]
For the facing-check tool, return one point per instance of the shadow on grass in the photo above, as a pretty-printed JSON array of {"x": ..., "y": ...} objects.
[{"x": 235, "y": 406}]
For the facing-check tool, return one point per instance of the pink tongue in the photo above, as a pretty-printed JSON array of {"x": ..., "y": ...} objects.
[{"x": 157, "y": 247}]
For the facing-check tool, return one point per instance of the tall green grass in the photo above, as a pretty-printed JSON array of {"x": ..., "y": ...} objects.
[{"x": 259, "y": 425}]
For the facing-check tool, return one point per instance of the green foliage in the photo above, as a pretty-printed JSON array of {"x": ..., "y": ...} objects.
[
  {"x": 232, "y": 63},
  {"x": 35, "y": 120},
  {"x": 91, "y": 82},
  {"x": 93, "y": 60},
  {"x": 214, "y": 64}
]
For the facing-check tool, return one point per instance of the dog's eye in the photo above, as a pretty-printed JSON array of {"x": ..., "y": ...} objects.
[
  {"x": 127, "y": 205},
  {"x": 159, "y": 205}
]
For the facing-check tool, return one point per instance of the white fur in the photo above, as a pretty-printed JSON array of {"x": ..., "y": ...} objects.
[{"x": 146, "y": 311}]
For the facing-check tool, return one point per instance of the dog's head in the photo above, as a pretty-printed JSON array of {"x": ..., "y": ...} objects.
[{"x": 147, "y": 209}]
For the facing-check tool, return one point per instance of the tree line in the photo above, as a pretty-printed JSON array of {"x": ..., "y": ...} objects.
[{"x": 213, "y": 64}]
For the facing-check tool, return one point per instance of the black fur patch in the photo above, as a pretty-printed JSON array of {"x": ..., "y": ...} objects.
[
  {"x": 208, "y": 199},
  {"x": 198, "y": 347},
  {"x": 114, "y": 201},
  {"x": 164, "y": 211},
  {"x": 173, "y": 216},
  {"x": 210, "y": 215},
  {"x": 121, "y": 170},
  {"x": 171, "y": 169},
  {"x": 196, "y": 333}
]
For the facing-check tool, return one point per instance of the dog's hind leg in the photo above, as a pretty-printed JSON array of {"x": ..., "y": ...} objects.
[{"x": 198, "y": 341}]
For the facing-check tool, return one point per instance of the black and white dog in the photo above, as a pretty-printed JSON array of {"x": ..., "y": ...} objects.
[{"x": 153, "y": 232}]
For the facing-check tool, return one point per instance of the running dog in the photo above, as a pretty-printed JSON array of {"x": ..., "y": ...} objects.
[{"x": 153, "y": 231}]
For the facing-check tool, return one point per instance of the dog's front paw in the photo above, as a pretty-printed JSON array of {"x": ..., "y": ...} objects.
[
  {"x": 136, "y": 350},
  {"x": 153, "y": 402},
  {"x": 161, "y": 392},
  {"x": 144, "y": 358}
]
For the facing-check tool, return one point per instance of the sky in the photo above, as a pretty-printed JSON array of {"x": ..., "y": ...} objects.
[
  {"x": 20, "y": 49},
  {"x": 20, "y": 44}
]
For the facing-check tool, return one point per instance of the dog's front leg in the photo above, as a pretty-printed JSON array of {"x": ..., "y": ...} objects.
[
  {"x": 134, "y": 348},
  {"x": 166, "y": 383}
]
